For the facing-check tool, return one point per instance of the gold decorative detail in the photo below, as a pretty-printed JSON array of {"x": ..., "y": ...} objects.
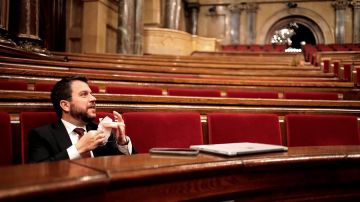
[{"x": 340, "y": 4}]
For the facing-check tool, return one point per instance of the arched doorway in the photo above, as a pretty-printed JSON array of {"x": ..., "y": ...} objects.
[
  {"x": 307, "y": 31},
  {"x": 302, "y": 34}
]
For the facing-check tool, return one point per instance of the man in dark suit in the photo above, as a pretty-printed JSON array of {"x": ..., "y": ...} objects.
[{"x": 75, "y": 135}]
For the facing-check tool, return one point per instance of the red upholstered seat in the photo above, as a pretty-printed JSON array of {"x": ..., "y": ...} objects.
[
  {"x": 133, "y": 90},
  {"x": 94, "y": 89},
  {"x": 6, "y": 140},
  {"x": 194, "y": 92},
  {"x": 311, "y": 95},
  {"x": 43, "y": 86},
  {"x": 13, "y": 85},
  {"x": 318, "y": 130},
  {"x": 29, "y": 120},
  {"x": 347, "y": 72},
  {"x": 326, "y": 67},
  {"x": 252, "y": 94},
  {"x": 49, "y": 86},
  {"x": 163, "y": 129},
  {"x": 234, "y": 127}
]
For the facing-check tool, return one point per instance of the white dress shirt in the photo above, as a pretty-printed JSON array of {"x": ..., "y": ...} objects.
[{"x": 74, "y": 137}]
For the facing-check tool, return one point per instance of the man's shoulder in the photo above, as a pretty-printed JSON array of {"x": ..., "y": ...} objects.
[{"x": 47, "y": 127}]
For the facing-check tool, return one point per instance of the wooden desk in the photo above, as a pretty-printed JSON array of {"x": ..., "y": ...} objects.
[
  {"x": 303, "y": 173},
  {"x": 59, "y": 181}
]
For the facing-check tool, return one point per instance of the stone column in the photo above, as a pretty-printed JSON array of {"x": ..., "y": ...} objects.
[
  {"x": 194, "y": 13},
  {"x": 235, "y": 11},
  {"x": 356, "y": 30},
  {"x": 251, "y": 9},
  {"x": 340, "y": 6},
  {"x": 172, "y": 16},
  {"x": 125, "y": 27},
  {"x": 28, "y": 34},
  {"x": 139, "y": 28},
  {"x": 4, "y": 13}
]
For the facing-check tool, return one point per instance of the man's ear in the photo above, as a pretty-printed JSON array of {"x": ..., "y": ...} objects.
[{"x": 65, "y": 105}]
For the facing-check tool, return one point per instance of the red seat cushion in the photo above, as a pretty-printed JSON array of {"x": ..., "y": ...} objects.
[
  {"x": 133, "y": 90},
  {"x": 163, "y": 129},
  {"x": 194, "y": 92},
  {"x": 318, "y": 130},
  {"x": 311, "y": 95},
  {"x": 6, "y": 140},
  {"x": 252, "y": 94},
  {"x": 234, "y": 127},
  {"x": 13, "y": 85}
]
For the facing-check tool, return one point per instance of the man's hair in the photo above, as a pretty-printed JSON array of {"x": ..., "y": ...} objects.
[{"x": 62, "y": 91}]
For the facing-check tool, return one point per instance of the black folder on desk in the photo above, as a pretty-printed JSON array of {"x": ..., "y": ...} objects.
[{"x": 235, "y": 149}]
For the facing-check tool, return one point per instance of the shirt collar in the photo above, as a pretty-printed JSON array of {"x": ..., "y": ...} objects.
[{"x": 70, "y": 127}]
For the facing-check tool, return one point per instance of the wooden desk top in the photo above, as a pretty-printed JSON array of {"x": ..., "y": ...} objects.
[
  {"x": 147, "y": 162},
  {"x": 208, "y": 177},
  {"x": 47, "y": 178},
  {"x": 302, "y": 173}
]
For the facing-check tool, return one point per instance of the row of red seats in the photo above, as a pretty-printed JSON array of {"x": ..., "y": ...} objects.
[
  {"x": 21, "y": 85},
  {"x": 254, "y": 48},
  {"x": 310, "y": 50},
  {"x": 347, "y": 70},
  {"x": 182, "y": 129}
]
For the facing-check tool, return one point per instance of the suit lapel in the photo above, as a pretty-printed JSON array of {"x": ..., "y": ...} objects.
[{"x": 61, "y": 136}]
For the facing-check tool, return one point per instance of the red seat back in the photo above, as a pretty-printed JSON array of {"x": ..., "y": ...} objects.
[
  {"x": 163, "y": 129},
  {"x": 133, "y": 90},
  {"x": 311, "y": 95},
  {"x": 29, "y": 120},
  {"x": 43, "y": 86},
  {"x": 252, "y": 94},
  {"x": 233, "y": 127},
  {"x": 13, "y": 85},
  {"x": 6, "y": 140},
  {"x": 194, "y": 92},
  {"x": 49, "y": 86},
  {"x": 318, "y": 130}
]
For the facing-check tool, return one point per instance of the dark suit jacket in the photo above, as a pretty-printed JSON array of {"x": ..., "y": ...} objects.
[{"x": 49, "y": 143}]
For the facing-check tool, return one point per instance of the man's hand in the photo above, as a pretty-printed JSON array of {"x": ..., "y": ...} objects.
[
  {"x": 90, "y": 141},
  {"x": 118, "y": 128}
]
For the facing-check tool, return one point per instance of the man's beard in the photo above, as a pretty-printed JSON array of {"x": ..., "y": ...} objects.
[{"x": 81, "y": 114}]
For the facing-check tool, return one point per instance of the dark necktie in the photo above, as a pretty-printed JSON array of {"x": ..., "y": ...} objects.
[{"x": 80, "y": 132}]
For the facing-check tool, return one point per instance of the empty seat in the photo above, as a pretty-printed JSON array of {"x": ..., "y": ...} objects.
[
  {"x": 163, "y": 129},
  {"x": 234, "y": 127},
  {"x": 133, "y": 90},
  {"x": 43, "y": 86},
  {"x": 13, "y": 85},
  {"x": 29, "y": 120},
  {"x": 6, "y": 140},
  {"x": 318, "y": 130},
  {"x": 194, "y": 92},
  {"x": 252, "y": 94},
  {"x": 49, "y": 86},
  {"x": 312, "y": 95}
]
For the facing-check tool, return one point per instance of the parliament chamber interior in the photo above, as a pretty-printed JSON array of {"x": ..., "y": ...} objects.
[{"x": 183, "y": 73}]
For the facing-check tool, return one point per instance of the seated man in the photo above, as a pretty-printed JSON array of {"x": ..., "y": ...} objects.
[{"x": 75, "y": 107}]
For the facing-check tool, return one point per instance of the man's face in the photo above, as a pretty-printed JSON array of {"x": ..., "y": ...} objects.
[{"x": 82, "y": 104}]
